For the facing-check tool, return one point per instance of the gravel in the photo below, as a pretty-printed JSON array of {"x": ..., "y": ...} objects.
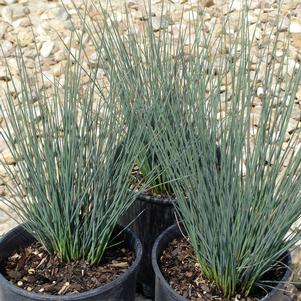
[{"x": 51, "y": 25}]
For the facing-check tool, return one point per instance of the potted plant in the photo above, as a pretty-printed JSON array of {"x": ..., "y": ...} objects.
[
  {"x": 69, "y": 191},
  {"x": 235, "y": 233}
]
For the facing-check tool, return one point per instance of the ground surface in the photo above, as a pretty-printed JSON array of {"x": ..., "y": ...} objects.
[{"x": 48, "y": 20}]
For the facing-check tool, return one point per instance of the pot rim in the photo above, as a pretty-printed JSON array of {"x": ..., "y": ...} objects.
[
  {"x": 168, "y": 201},
  {"x": 83, "y": 295},
  {"x": 158, "y": 273}
]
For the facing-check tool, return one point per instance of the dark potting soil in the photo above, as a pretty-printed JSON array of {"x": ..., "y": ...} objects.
[
  {"x": 33, "y": 269},
  {"x": 182, "y": 271}
]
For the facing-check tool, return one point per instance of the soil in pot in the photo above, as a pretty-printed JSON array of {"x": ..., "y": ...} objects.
[
  {"x": 181, "y": 270},
  {"x": 119, "y": 264},
  {"x": 33, "y": 269}
]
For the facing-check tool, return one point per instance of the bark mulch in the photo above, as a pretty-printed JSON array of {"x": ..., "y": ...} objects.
[{"x": 33, "y": 269}]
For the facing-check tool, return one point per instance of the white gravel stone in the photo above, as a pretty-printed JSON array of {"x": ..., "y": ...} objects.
[
  {"x": 179, "y": 1},
  {"x": 14, "y": 87},
  {"x": 61, "y": 14},
  {"x": 208, "y": 3},
  {"x": 235, "y": 5},
  {"x": 3, "y": 29},
  {"x": 295, "y": 27},
  {"x": 60, "y": 55},
  {"x": 93, "y": 59},
  {"x": 25, "y": 37},
  {"x": 7, "y": 158},
  {"x": 190, "y": 15},
  {"x": 6, "y": 48},
  {"x": 292, "y": 125},
  {"x": 260, "y": 92},
  {"x": 160, "y": 23},
  {"x": 3, "y": 170},
  {"x": 10, "y": 1},
  {"x": 20, "y": 12},
  {"x": 4, "y": 75},
  {"x": 47, "y": 49},
  {"x": 7, "y": 14},
  {"x": 284, "y": 24},
  {"x": 23, "y": 22},
  {"x": 41, "y": 30},
  {"x": 3, "y": 217}
]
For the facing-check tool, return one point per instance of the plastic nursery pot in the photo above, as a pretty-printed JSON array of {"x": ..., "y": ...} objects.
[
  {"x": 164, "y": 292},
  {"x": 148, "y": 217},
  {"x": 121, "y": 289}
]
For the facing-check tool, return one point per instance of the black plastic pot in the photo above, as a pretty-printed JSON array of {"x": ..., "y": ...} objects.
[
  {"x": 121, "y": 289},
  {"x": 164, "y": 291},
  {"x": 148, "y": 217}
]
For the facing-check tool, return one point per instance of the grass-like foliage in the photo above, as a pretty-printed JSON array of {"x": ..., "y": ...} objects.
[
  {"x": 237, "y": 214},
  {"x": 238, "y": 209},
  {"x": 145, "y": 74},
  {"x": 65, "y": 141}
]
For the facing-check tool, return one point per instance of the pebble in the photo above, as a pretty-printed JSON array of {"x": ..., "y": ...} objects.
[
  {"x": 7, "y": 158},
  {"x": 159, "y": 23},
  {"x": 7, "y": 14},
  {"x": 3, "y": 29},
  {"x": 7, "y": 48},
  {"x": 208, "y": 3},
  {"x": 10, "y": 1},
  {"x": 3, "y": 146},
  {"x": 58, "y": 69},
  {"x": 179, "y": 1},
  {"x": 93, "y": 59},
  {"x": 235, "y": 5},
  {"x": 4, "y": 75},
  {"x": 296, "y": 115},
  {"x": 292, "y": 125},
  {"x": 296, "y": 40},
  {"x": 20, "y": 12},
  {"x": 41, "y": 30},
  {"x": 3, "y": 217},
  {"x": 46, "y": 49},
  {"x": 62, "y": 14},
  {"x": 25, "y": 37},
  {"x": 60, "y": 55},
  {"x": 255, "y": 118},
  {"x": 284, "y": 24},
  {"x": 3, "y": 171},
  {"x": 23, "y": 22},
  {"x": 190, "y": 16},
  {"x": 295, "y": 27},
  {"x": 14, "y": 87},
  {"x": 260, "y": 92}
]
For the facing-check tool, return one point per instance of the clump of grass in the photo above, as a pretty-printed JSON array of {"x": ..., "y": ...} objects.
[
  {"x": 147, "y": 67},
  {"x": 65, "y": 142},
  {"x": 237, "y": 214}
]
